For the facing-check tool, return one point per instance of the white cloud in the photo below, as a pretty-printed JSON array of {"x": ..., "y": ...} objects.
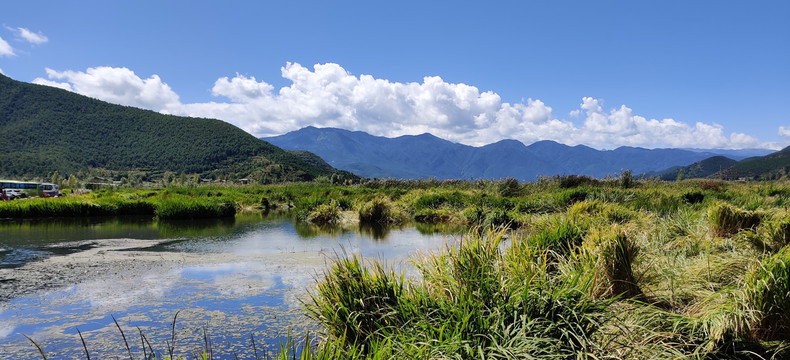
[
  {"x": 29, "y": 36},
  {"x": 5, "y": 48},
  {"x": 329, "y": 96},
  {"x": 784, "y": 131},
  {"x": 1, "y": 72},
  {"x": 115, "y": 85},
  {"x": 42, "y": 81}
]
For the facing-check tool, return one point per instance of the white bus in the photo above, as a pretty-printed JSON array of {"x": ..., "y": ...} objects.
[{"x": 29, "y": 188}]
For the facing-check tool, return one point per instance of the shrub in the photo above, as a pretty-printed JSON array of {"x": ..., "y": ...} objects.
[
  {"x": 727, "y": 220},
  {"x": 626, "y": 179}
]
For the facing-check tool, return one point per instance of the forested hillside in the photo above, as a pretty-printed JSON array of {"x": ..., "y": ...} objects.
[
  {"x": 45, "y": 129},
  {"x": 700, "y": 169},
  {"x": 772, "y": 166}
]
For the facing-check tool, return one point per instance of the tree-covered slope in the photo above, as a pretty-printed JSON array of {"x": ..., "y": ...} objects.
[
  {"x": 45, "y": 129},
  {"x": 700, "y": 169},
  {"x": 771, "y": 166}
]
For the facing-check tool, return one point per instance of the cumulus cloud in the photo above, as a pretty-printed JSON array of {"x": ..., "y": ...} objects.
[
  {"x": 329, "y": 96},
  {"x": 115, "y": 85},
  {"x": 29, "y": 36},
  {"x": 5, "y": 48},
  {"x": 784, "y": 131}
]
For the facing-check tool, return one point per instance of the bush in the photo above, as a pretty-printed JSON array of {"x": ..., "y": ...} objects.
[{"x": 626, "y": 179}]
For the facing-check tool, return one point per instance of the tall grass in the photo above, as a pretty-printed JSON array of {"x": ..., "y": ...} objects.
[
  {"x": 727, "y": 220},
  {"x": 380, "y": 211},
  {"x": 467, "y": 304},
  {"x": 768, "y": 292},
  {"x": 325, "y": 214}
]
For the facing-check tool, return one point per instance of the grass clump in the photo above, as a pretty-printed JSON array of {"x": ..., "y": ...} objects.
[
  {"x": 774, "y": 234},
  {"x": 726, "y": 219},
  {"x": 356, "y": 303},
  {"x": 768, "y": 292},
  {"x": 468, "y": 304},
  {"x": 379, "y": 211},
  {"x": 560, "y": 238},
  {"x": 615, "y": 254},
  {"x": 325, "y": 214}
]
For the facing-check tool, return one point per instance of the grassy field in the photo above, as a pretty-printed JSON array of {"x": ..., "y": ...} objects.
[{"x": 568, "y": 267}]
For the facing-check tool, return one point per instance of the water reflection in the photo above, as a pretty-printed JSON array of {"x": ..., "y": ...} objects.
[{"x": 234, "y": 277}]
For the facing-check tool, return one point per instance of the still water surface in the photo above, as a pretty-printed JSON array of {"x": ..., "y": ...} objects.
[{"x": 229, "y": 279}]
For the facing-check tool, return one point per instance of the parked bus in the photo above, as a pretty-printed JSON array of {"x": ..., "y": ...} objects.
[{"x": 28, "y": 188}]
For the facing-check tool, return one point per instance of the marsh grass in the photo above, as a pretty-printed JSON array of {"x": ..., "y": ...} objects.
[
  {"x": 325, "y": 214},
  {"x": 580, "y": 270},
  {"x": 474, "y": 299},
  {"x": 185, "y": 207},
  {"x": 727, "y": 220},
  {"x": 380, "y": 211},
  {"x": 767, "y": 288}
]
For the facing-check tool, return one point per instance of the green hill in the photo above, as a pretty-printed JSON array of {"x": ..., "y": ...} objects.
[
  {"x": 699, "y": 169},
  {"x": 771, "y": 166},
  {"x": 45, "y": 129}
]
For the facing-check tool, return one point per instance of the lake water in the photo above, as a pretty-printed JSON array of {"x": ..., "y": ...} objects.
[{"x": 226, "y": 280}]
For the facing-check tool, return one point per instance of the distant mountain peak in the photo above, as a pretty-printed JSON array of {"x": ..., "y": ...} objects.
[{"x": 428, "y": 156}]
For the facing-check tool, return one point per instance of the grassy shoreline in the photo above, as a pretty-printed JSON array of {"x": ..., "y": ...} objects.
[{"x": 569, "y": 267}]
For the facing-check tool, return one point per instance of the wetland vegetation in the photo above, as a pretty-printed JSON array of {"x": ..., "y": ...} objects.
[{"x": 566, "y": 267}]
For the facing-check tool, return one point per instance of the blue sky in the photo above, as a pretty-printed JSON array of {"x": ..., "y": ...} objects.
[{"x": 604, "y": 73}]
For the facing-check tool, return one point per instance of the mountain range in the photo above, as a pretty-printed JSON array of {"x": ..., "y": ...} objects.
[
  {"x": 427, "y": 156},
  {"x": 45, "y": 129}
]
